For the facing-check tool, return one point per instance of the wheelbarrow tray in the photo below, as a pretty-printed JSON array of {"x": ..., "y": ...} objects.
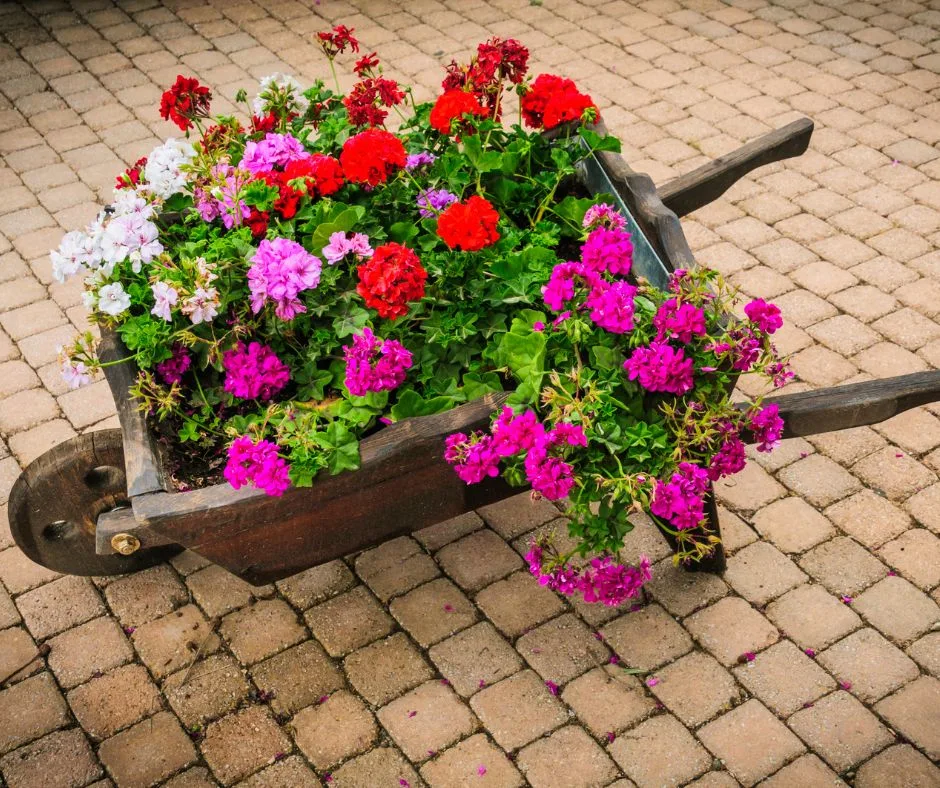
[{"x": 403, "y": 484}]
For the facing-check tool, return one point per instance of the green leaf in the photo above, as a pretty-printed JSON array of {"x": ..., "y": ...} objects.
[
  {"x": 605, "y": 357},
  {"x": 596, "y": 142},
  {"x": 410, "y": 404},
  {"x": 482, "y": 161},
  {"x": 475, "y": 384},
  {"x": 403, "y": 232},
  {"x": 351, "y": 322}
]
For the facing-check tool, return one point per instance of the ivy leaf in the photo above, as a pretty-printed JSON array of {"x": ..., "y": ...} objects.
[
  {"x": 351, "y": 322},
  {"x": 403, "y": 232},
  {"x": 410, "y": 404},
  {"x": 482, "y": 161},
  {"x": 596, "y": 142},
  {"x": 345, "y": 454}
]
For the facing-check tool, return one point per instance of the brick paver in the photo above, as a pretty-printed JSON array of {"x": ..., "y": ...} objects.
[{"x": 430, "y": 658}]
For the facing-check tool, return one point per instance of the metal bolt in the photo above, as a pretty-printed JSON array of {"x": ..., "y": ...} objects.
[{"x": 125, "y": 544}]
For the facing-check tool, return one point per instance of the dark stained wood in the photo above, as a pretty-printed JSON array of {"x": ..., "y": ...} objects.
[
  {"x": 707, "y": 183},
  {"x": 145, "y": 473},
  {"x": 403, "y": 485},
  {"x": 855, "y": 405},
  {"x": 55, "y": 504}
]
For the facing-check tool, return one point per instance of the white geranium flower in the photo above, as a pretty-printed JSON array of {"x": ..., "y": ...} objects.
[
  {"x": 75, "y": 373},
  {"x": 73, "y": 255},
  {"x": 163, "y": 170},
  {"x": 280, "y": 90},
  {"x": 112, "y": 300}
]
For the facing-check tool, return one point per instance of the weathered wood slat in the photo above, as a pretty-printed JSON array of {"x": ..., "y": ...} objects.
[
  {"x": 707, "y": 183},
  {"x": 145, "y": 472},
  {"x": 855, "y": 405}
]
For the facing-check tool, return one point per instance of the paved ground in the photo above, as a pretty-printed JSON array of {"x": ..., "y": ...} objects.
[{"x": 427, "y": 660}]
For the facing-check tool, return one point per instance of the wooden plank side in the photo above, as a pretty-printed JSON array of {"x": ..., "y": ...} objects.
[
  {"x": 707, "y": 183},
  {"x": 145, "y": 472}
]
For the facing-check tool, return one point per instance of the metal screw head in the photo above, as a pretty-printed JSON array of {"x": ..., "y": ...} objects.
[{"x": 125, "y": 544}]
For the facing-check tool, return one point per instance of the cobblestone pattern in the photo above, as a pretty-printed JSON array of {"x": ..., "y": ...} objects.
[{"x": 435, "y": 671}]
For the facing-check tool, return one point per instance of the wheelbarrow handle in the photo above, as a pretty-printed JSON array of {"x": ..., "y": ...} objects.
[
  {"x": 695, "y": 189},
  {"x": 855, "y": 405}
]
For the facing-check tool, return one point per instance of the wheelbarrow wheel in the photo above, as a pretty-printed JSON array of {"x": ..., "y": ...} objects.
[{"x": 56, "y": 502}]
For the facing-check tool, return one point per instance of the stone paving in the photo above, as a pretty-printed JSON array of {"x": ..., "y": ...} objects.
[{"x": 427, "y": 660}]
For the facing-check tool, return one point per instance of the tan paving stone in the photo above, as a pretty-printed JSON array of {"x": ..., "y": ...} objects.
[
  {"x": 784, "y": 678},
  {"x": 731, "y": 628},
  {"x": 16, "y": 649},
  {"x": 750, "y": 490},
  {"x": 476, "y": 760},
  {"x": 562, "y": 649},
  {"x": 869, "y": 518},
  {"x": 760, "y": 572},
  {"x": 59, "y": 605},
  {"x": 380, "y": 766},
  {"x": 30, "y": 709},
  {"x": 608, "y": 700},
  {"x": 924, "y": 506},
  {"x": 317, "y": 584},
  {"x": 150, "y": 751},
  {"x": 297, "y": 677},
  {"x": 682, "y": 592},
  {"x": 916, "y": 555},
  {"x": 842, "y": 566},
  {"x": 395, "y": 567},
  {"x": 897, "y": 609},
  {"x": 144, "y": 596},
  {"x": 841, "y": 730},
  {"x": 568, "y": 757},
  {"x": 174, "y": 641},
  {"x": 290, "y": 771},
  {"x": 518, "y": 603},
  {"x": 478, "y": 559},
  {"x": 88, "y": 650},
  {"x": 792, "y": 525},
  {"x": 695, "y": 688},
  {"x": 901, "y": 762},
  {"x": 475, "y": 658},
  {"x": 242, "y": 743},
  {"x": 646, "y": 638},
  {"x": 517, "y": 515},
  {"x": 109, "y": 703},
  {"x": 61, "y": 758},
  {"x": 660, "y": 752},
  {"x": 436, "y": 536},
  {"x": 265, "y": 628},
  {"x": 211, "y": 688},
  {"x": 428, "y": 719},
  {"x": 332, "y": 731},
  {"x": 386, "y": 669},
  {"x": 806, "y": 771},
  {"x": 433, "y": 611},
  {"x": 812, "y": 617},
  {"x": 348, "y": 622},
  {"x": 518, "y": 709},
  {"x": 751, "y": 742},
  {"x": 819, "y": 480}
]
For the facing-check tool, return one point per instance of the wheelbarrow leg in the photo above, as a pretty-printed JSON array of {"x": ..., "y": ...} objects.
[{"x": 714, "y": 563}]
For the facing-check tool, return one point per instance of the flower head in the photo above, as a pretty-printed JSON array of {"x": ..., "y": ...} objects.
[
  {"x": 282, "y": 269},
  {"x": 612, "y": 307},
  {"x": 258, "y": 464},
  {"x": 254, "y": 371},
  {"x": 763, "y": 315},
  {"x": 390, "y": 279},
  {"x": 473, "y": 457},
  {"x": 679, "y": 321},
  {"x": 661, "y": 367},
  {"x": 603, "y": 215},
  {"x": 414, "y": 161},
  {"x": 469, "y": 226},
  {"x": 173, "y": 369},
  {"x": 275, "y": 150},
  {"x": 113, "y": 300},
  {"x": 372, "y": 156},
  {"x": 681, "y": 500},
  {"x": 373, "y": 364},
  {"x": 280, "y": 95},
  {"x": 608, "y": 250},
  {"x": 342, "y": 244},
  {"x": 432, "y": 201},
  {"x": 767, "y": 427},
  {"x": 335, "y": 41},
  {"x": 452, "y": 108},
  {"x": 185, "y": 100},
  {"x": 552, "y": 100}
]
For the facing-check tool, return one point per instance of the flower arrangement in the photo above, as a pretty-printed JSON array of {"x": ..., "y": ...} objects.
[{"x": 287, "y": 286}]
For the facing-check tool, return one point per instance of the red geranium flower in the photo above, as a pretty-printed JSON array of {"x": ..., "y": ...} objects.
[
  {"x": 470, "y": 225},
  {"x": 366, "y": 63},
  {"x": 314, "y": 176},
  {"x": 336, "y": 40},
  {"x": 453, "y": 105},
  {"x": 371, "y": 156},
  {"x": 391, "y": 278},
  {"x": 552, "y": 100},
  {"x": 131, "y": 176},
  {"x": 187, "y": 99},
  {"x": 258, "y": 222}
]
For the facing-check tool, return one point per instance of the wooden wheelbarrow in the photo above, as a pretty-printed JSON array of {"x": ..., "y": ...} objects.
[{"x": 101, "y": 503}]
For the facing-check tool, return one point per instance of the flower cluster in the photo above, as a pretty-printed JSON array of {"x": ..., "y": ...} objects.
[
  {"x": 368, "y": 102},
  {"x": 432, "y": 201},
  {"x": 254, "y": 372},
  {"x": 371, "y": 156},
  {"x": 257, "y": 463},
  {"x": 661, "y": 367},
  {"x": 335, "y": 41},
  {"x": 551, "y": 101},
  {"x": 469, "y": 226},
  {"x": 343, "y": 244},
  {"x": 681, "y": 500},
  {"x": 451, "y": 109},
  {"x": 185, "y": 101},
  {"x": 391, "y": 279},
  {"x": 282, "y": 270},
  {"x": 601, "y": 580},
  {"x": 496, "y": 61},
  {"x": 373, "y": 364},
  {"x": 173, "y": 369}
]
